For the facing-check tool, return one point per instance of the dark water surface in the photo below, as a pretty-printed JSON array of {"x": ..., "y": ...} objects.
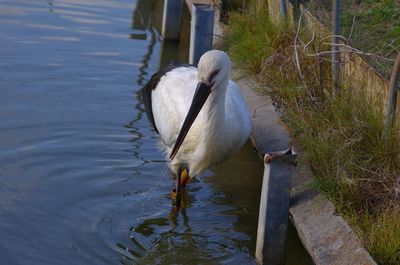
[{"x": 82, "y": 180}]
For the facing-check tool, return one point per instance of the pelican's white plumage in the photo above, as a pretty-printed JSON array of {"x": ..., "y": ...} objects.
[{"x": 223, "y": 124}]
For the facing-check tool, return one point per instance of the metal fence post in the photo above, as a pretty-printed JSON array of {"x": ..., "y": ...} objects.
[
  {"x": 335, "y": 45},
  {"x": 283, "y": 9}
]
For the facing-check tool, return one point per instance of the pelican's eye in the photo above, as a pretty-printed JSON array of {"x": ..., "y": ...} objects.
[{"x": 213, "y": 75}]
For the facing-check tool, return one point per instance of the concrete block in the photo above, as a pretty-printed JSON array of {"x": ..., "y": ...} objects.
[
  {"x": 274, "y": 209},
  {"x": 201, "y": 31}
]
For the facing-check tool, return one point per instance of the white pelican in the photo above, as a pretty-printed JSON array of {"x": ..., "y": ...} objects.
[{"x": 200, "y": 114}]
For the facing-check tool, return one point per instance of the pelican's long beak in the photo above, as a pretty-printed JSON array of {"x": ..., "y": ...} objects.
[{"x": 203, "y": 90}]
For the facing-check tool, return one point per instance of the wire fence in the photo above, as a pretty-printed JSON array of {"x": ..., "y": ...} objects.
[
  {"x": 370, "y": 26},
  {"x": 370, "y": 29}
]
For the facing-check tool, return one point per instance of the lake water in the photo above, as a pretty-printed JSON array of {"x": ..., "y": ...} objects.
[{"x": 82, "y": 180}]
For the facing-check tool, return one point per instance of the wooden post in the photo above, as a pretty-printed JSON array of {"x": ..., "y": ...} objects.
[
  {"x": 392, "y": 97},
  {"x": 335, "y": 45},
  {"x": 172, "y": 19},
  {"x": 201, "y": 31},
  {"x": 274, "y": 208}
]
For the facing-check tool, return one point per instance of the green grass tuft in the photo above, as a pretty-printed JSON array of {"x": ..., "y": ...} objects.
[{"x": 251, "y": 39}]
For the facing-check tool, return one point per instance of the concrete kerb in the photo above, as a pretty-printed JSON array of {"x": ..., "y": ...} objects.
[{"x": 326, "y": 236}]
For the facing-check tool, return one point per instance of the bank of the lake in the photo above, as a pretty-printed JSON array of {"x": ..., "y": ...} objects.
[{"x": 339, "y": 138}]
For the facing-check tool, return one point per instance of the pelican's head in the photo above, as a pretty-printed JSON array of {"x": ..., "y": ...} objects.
[{"x": 214, "y": 71}]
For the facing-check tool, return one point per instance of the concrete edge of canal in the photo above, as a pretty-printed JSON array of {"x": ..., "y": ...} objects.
[{"x": 326, "y": 236}]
